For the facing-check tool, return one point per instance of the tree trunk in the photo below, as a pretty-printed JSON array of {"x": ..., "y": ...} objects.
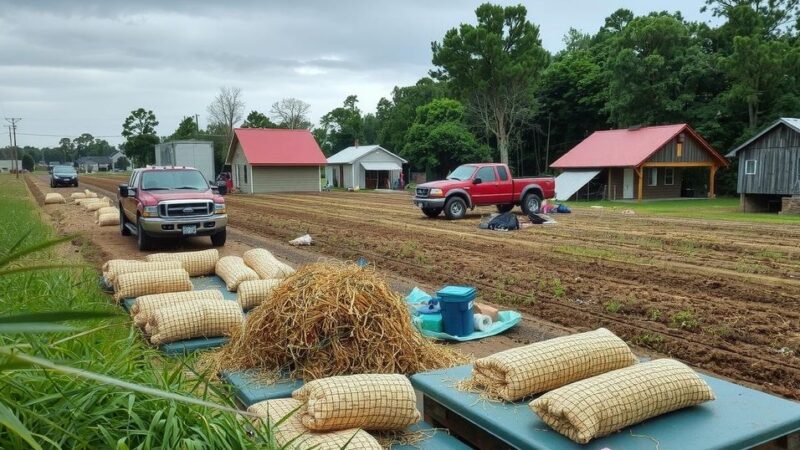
[{"x": 502, "y": 141}]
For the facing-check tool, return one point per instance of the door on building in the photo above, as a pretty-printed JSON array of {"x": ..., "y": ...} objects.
[{"x": 627, "y": 183}]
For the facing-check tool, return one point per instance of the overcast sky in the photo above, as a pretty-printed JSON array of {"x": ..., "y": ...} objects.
[{"x": 82, "y": 66}]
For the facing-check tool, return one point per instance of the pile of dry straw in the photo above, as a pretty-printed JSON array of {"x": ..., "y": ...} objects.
[{"x": 332, "y": 319}]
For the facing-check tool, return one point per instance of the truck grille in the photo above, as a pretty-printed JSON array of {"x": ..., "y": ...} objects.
[
  {"x": 423, "y": 192},
  {"x": 185, "y": 209}
]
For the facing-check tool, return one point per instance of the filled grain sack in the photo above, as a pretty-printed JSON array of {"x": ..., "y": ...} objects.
[
  {"x": 598, "y": 406},
  {"x": 102, "y": 203},
  {"x": 193, "y": 319},
  {"x": 265, "y": 264},
  {"x": 146, "y": 305},
  {"x": 539, "y": 367},
  {"x": 77, "y": 195},
  {"x": 198, "y": 264},
  {"x": 135, "y": 284},
  {"x": 292, "y": 434},
  {"x": 369, "y": 401},
  {"x": 254, "y": 292},
  {"x": 112, "y": 268},
  {"x": 86, "y": 201},
  {"x": 53, "y": 197},
  {"x": 234, "y": 271},
  {"x": 108, "y": 219},
  {"x": 105, "y": 210},
  {"x": 90, "y": 194}
]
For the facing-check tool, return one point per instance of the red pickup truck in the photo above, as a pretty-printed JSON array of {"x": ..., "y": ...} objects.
[
  {"x": 170, "y": 202},
  {"x": 472, "y": 185}
]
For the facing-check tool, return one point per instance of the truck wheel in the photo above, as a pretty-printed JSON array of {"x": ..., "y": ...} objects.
[
  {"x": 531, "y": 203},
  {"x": 218, "y": 238},
  {"x": 455, "y": 208},
  {"x": 505, "y": 208},
  {"x": 123, "y": 230},
  {"x": 142, "y": 239},
  {"x": 431, "y": 212}
]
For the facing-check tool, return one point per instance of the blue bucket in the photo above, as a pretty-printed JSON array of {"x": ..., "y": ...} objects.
[{"x": 456, "y": 303}]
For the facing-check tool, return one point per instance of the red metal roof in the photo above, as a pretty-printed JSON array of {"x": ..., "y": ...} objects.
[
  {"x": 626, "y": 148},
  {"x": 277, "y": 147}
]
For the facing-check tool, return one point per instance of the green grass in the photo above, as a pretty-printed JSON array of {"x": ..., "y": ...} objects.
[
  {"x": 722, "y": 208},
  {"x": 64, "y": 411}
]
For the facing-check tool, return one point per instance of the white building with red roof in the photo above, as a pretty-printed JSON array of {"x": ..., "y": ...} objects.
[
  {"x": 639, "y": 163},
  {"x": 266, "y": 160}
]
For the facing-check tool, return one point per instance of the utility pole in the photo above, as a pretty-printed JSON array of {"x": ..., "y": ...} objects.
[
  {"x": 197, "y": 125},
  {"x": 13, "y": 121}
]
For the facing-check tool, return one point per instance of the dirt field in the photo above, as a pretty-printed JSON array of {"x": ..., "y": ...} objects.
[{"x": 720, "y": 295}]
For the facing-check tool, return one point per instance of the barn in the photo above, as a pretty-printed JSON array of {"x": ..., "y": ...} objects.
[
  {"x": 365, "y": 167},
  {"x": 640, "y": 163},
  {"x": 769, "y": 168},
  {"x": 267, "y": 160}
]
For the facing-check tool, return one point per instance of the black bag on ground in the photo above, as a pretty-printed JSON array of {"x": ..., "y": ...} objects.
[
  {"x": 505, "y": 221},
  {"x": 536, "y": 219}
]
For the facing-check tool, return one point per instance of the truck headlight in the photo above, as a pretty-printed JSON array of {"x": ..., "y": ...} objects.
[
  {"x": 150, "y": 211},
  {"x": 436, "y": 193},
  {"x": 219, "y": 208}
]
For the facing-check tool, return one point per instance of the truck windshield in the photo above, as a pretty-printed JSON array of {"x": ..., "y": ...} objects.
[
  {"x": 461, "y": 173},
  {"x": 168, "y": 180}
]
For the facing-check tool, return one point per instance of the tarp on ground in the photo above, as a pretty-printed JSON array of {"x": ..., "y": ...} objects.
[{"x": 569, "y": 182}]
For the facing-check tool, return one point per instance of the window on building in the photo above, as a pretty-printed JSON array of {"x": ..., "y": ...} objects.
[
  {"x": 486, "y": 174},
  {"x": 679, "y": 146},
  {"x": 750, "y": 167},
  {"x": 244, "y": 169},
  {"x": 669, "y": 176},
  {"x": 501, "y": 171},
  {"x": 651, "y": 175}
]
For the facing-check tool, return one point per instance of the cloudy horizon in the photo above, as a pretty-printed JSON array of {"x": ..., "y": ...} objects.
[{"x": 70, "y": 68}]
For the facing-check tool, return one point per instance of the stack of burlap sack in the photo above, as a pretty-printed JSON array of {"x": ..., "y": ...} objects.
[
  {"x": 593, "y": 382},
  {"x": 336, "y": 412},
  {"x": 106, "y": 216}
]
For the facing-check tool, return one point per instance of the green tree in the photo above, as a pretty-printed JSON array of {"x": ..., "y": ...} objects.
[
  {"x": 122, "y": 163},
  {"x": 493, "y": 66},
  {"x": 395, "y": 116},
  {"x": 187, "y": 129},
  {"x": 139, "y": 131},
  {"x": 321, "y": 136},
  {"x": 82, "y": 144},
  {"x": 343, "y": 125},
  {"x": 66, "y": 147},
  {"x": 27, "y": 162},
  {"x": 258, "y": 120},
  {"x": 439, "y": 139}
]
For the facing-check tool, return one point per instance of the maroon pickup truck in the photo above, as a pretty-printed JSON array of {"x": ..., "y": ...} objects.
[
  {"x": 472, "y": 185},
  {"x": 171, "y": 202}
]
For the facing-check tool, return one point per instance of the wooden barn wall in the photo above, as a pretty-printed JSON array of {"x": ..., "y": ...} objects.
[
  {"x": 661, "y": 190},
  {"x": 777, "y": 156},
  {"x": 692, "y": 152}
]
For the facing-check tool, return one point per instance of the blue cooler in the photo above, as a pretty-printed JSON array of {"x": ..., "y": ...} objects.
[{"x": 456, "y": 303}]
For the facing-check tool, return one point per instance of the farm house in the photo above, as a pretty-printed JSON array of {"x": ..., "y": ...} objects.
[
  {"x": 640, "y": 163},
  {"x": 266, "y": 160},
  {"x": 371, "y": 166},
  {"x": 769, "y": 168}
]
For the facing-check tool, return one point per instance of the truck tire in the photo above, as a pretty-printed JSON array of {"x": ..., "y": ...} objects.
[
  {"x": 123, "y": 230},
  {"x": 432, "y": 212},
  {"x": 505, "y": 208},
  {"x": 531, "y": 203},
  {"x": 218, "y": 238},
  {"x": 142, "y": 240},
  {"x": 455, "y": 208}
]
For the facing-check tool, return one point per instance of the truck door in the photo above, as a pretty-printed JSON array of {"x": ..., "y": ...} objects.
[
  {"x": 488, "y": 191},
  {"x": 505, "y": 192},
  {"x": 129, "y": 202}
]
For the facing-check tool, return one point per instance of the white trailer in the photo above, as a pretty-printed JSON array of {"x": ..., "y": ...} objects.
[{"x": 191, "y": 153}]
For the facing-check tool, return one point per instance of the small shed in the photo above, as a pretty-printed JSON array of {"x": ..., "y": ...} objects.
[
  {"x": 371, "y": 166},
  {"x": 275, "y": 160},
  {"x": 94, "y": 163},
  {"x": 769, "y": 168},
  {"x": 8, "y": 165},
  {"x": 638, "y": 163}
]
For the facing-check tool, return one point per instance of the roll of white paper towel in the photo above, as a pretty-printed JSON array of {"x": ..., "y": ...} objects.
[{"x": 482, "y": 322}]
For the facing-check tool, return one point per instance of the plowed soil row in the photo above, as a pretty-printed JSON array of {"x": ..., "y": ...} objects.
[{"x": 720, "y": 295}]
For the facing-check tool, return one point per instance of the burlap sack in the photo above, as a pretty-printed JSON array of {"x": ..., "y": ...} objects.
[
  {"x": 102, "y": 203},
  {"x": 265, "y": 264},
  {"x": 198, "y": 264},
  {"x": 135, "y": 284},
  {"x": 598, "y": 406},
  {"x": 234, "y": 271},
  {"x": 293, "y": 434},
  {"x": 90, "y": 194},
  {"x": 369, "y": 401},
  {"x": 523, "y": 371},
  {"x": 53, "y": 197},
  {"x": 112, "y": 268},
  {"x": 77, "y": 195},
  {"x": 105, "y": 210},
  {"x": 146, "y": 305},
  {"x": 193, "y": 319},
  {"x": 254, "y": 292},
  {"x": 108, "y": 219},
  {"x": 85, "y": 202}
]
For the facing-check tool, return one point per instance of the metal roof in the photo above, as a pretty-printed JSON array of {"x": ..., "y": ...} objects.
[
  {"x": 353, "y": 153},
  {"x": 790, "y": 122},
  {"x": 626, "y": 147},
  {"x": 277, "y": 147},
  {"x": 389, "y": 165}
]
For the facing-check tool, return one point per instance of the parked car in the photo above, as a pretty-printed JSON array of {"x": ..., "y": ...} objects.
[
  {"x": 472, "y": 185},
  {"x": 170, "y": 202},
  {"x": 63, "y": 176}
]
